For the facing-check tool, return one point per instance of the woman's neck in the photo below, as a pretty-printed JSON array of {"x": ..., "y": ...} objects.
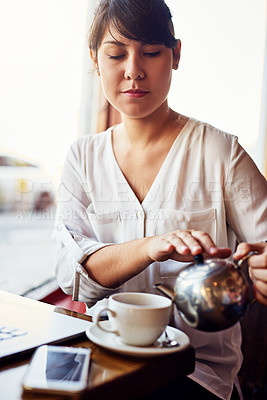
[
  {"x": 141, "y": 146},
  {"x": 144, "y": 132}
]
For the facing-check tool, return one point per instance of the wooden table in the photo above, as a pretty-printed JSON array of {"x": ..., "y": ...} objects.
[{"x": 112, "y": 376}]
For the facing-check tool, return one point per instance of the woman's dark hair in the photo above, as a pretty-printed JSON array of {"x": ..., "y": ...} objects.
[{"x": 147, "y": 21}]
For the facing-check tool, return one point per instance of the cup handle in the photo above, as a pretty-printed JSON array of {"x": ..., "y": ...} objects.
[{"x": 97, "y": 316}]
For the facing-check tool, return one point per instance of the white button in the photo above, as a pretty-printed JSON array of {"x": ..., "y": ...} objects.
[
  {"x": 59, "y": 227},
  {"x": 139, "y": 214}
]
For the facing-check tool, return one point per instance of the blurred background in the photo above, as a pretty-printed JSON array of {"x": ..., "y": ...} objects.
[{"x": 49, "y": 96}]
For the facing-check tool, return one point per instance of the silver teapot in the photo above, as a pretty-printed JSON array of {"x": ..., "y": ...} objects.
[{"x": 210, "y": 295}]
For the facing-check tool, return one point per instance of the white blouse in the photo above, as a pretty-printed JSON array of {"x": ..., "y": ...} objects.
[{"x": 207, "y": 182}]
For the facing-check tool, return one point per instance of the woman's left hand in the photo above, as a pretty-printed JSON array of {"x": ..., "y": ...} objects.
[{"x": 257, "y": 268}]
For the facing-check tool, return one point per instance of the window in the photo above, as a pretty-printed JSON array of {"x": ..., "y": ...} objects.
[{"x": 44, "y": 81}]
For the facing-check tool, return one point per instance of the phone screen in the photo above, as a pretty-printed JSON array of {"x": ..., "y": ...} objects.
[{"x": 58, "y": 368}]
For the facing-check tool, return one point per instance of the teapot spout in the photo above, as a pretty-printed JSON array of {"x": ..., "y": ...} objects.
[{"x": 165, "y": 290}]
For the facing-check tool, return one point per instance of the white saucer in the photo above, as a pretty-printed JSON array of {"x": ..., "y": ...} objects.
[{"x": 112, "y": 342}]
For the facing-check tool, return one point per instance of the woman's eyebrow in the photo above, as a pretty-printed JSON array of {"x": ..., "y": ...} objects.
[{"x": 115, "y": 42}]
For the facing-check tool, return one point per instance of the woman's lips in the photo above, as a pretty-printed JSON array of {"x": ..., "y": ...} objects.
[{"x": 136, "y": 93}]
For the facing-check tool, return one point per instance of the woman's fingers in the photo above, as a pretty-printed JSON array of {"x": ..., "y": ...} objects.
[
  {"x": 161, "y": 248},
  {"x": 205, "y": 241},
  {"x": 200, "y": 242},
  {"x": 181, "y": 245},
  {"x": 244, "y": 248},
  {"x": 258, "y": 261},
  {"x": 185, "y": 241},
  {"x": 221, "y": 252},
  {"x": 260, "y": 292},
  {"x": 258, "y": 274}
]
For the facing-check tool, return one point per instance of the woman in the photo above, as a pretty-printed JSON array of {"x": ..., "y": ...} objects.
[{"x": 142, "y": 198}]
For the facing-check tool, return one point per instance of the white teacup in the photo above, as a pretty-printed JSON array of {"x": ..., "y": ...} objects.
[{"x": 138, "y": 318}]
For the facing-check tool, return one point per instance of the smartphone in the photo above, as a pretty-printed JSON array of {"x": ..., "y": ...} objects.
[{"x": 58, "y": 369}]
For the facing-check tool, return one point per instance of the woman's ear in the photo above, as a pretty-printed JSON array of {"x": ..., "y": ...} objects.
[
  {"x": 176, "y": 54},
  {"x": 94, "y": 60}
]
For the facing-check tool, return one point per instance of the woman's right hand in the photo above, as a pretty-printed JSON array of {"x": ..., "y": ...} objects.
[
  {"x": 182, "y": 245},
  {"x": 115, "y": 264}
]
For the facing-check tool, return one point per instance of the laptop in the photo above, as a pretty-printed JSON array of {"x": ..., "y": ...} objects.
[{"x": 26, "y": 324}]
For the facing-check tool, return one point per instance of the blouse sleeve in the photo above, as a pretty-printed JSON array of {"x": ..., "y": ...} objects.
[
  {"x": 73, "y": 235},
  {"x": 245, "y": 197}
]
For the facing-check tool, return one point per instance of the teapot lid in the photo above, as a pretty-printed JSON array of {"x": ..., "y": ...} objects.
[{"x": 203, "y": 268}]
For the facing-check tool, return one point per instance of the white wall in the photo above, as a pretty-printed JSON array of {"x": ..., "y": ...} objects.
[{"x": 220, "y": 78}]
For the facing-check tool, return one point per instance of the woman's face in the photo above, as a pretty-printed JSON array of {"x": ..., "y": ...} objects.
[{"x": 135, "y": 77}]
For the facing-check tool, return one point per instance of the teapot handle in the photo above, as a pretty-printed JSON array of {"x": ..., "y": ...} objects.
[
  {"x": 199, "y": 258},
  {"x": 251, "y": 253}
]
